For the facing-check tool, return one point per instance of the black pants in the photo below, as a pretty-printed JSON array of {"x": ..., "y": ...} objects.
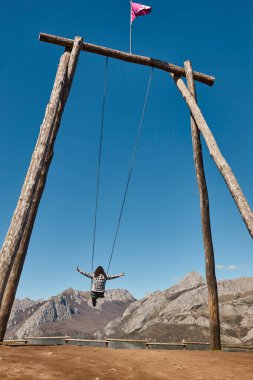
[{"x": 95, "y": 296}]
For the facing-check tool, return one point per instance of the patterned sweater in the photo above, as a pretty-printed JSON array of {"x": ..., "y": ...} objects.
[{"x": 98, "y": 283}]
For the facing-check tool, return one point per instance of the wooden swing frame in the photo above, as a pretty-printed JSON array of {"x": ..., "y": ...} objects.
[{"x": 16, "y": 243}]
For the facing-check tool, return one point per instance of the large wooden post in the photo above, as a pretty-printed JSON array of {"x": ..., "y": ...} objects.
[
  {"x": 214, "y": 320},
  {"x": 26, "y": 209},
  {"x": 17, "y": 267},
  {"x": 215, "y": 153}
]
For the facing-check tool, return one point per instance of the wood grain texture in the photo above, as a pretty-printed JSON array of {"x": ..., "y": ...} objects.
[
  {"x": 146, "y": 61},
  {"x": 214, "y": 320},
  {"x": 215, "y": 153},
  {"x": 17, "y": 267},
  {"x": 18, "y": 235}
]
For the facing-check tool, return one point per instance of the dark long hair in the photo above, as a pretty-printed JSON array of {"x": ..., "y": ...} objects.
[{"x": 100, "y": 270}]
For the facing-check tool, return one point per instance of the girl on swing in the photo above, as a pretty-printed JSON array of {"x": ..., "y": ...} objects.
[{"x": 99, "y": 278}]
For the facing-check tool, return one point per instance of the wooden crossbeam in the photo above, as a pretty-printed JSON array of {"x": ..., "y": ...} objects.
[
  {"x": 237, "y": 347},
  {"x": 47, "y": 337},
  {"x": 165, "y": 344},
  {"x": 85, "y": 340},
  {"x": 117, "y": 54},
  {"x": 126, "y": 340},
  {"x": 198, "y": 343},
  {"x": 15, "y": 341}
]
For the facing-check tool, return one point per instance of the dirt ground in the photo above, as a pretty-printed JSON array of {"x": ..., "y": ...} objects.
[{"x": 75, "y": 362}]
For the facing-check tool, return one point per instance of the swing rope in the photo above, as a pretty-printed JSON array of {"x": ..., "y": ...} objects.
[
  {"x": 99, "y": 163},
  {"x": 131, "y": 167}
]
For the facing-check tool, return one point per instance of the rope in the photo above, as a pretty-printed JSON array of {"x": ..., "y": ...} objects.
[
  {"x": 131, "y": 166},
  {"x": 99, "y": 163}
]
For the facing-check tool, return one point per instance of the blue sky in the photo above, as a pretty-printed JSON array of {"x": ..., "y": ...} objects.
[{"x": 160, "y": 237}]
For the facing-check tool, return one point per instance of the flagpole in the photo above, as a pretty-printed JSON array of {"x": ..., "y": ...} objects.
[{"x": 130, "y": 37}]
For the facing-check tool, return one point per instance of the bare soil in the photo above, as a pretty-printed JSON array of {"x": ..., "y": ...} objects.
[{"x": 75, "y": 362}]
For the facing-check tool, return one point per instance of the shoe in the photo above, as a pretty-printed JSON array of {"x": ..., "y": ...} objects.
[{"x": 94, "y": 302}]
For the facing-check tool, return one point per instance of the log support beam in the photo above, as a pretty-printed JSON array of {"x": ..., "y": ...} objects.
[
  {"x": 221, "y": 163},
  {"x": 127, "y": 57},
  {"x": 215, "y": 342},
  {"x": 15, "y": 245}
]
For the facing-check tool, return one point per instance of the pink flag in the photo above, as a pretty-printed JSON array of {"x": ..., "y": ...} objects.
[{"x": 139, "y": 10}]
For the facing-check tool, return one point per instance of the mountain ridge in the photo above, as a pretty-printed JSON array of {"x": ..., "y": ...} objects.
[
  {"x": 70, "y": 312},
  {"x": 179, "y": 312}
]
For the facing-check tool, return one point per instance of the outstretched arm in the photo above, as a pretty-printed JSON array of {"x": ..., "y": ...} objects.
[
  {"x": 90, "y": 275},
  {"x": 115, "y": 276}
]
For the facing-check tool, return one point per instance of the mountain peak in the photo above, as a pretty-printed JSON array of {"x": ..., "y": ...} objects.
[{"x": 192, "y": 279}]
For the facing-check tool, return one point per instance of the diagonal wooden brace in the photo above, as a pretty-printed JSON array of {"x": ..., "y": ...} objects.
[{"x": 215, "y": 153}]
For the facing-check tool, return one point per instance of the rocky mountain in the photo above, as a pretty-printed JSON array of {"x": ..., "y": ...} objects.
[
  {"x": 177, "y": 313},
  {"x": 181, "y": 312},
  {"x": 69, "y": 313}
]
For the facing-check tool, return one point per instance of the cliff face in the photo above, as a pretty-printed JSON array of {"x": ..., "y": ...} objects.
[
  {"x": 69, "y": 313},
  {"x": 181, "y": 312}
]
